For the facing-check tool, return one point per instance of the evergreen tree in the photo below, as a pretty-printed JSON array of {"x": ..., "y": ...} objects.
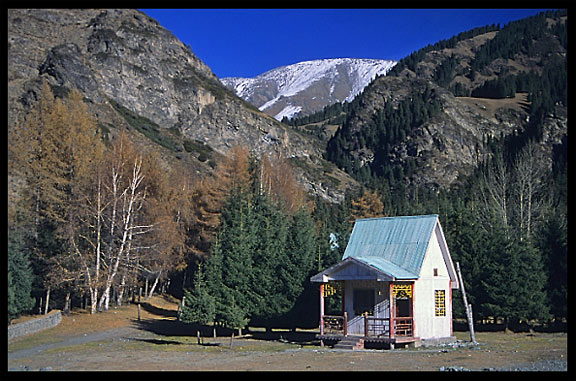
[
  {"x": 20, "y": 277},
  {"x": 199, "y": 305},
  {"x": 233, "y": 315},
  {"x": 237, "y": 242},
  {"x": 464, "y": 238},
  {"x": 554, "y": 247},
  {"x": 268, "y": 255},
  {"x": 298, "y": 264}
]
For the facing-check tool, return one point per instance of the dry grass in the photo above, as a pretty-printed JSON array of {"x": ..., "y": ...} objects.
[
  {"x": 488, "y": 107},
  {"x": 159, "y": 342},
  {"x": 82, "y": 322}
]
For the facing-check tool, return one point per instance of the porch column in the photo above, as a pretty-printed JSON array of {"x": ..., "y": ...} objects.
[
  {"x": 322, "y": 310},
  {"x": 392, "y": 311}
]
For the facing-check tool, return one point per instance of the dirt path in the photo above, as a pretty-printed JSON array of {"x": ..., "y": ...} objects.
[{"x": 116, "y": 340}]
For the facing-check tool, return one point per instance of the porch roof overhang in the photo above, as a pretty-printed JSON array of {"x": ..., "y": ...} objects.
[{"x": 365, "y": 268}]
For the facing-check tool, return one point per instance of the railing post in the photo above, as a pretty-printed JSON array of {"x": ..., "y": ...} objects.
[
  {"x": 365, "y": 324},
  {"x": 345, "y": 323}
]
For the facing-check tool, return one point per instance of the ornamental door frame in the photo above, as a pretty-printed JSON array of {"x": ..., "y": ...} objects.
[{"x": 401, "y": 299}]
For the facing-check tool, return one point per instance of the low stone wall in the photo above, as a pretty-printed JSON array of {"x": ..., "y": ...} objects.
[{"x": 31, "y": 326}]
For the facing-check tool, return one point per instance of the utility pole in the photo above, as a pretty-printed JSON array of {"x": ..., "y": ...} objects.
[{"x": 468, "y": 306}]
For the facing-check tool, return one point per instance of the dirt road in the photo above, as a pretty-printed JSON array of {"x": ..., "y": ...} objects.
[{"x": 116, "y": 340}]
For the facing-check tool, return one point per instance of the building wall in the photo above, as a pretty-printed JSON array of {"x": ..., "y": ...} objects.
[{"x": 427, "y": 324}]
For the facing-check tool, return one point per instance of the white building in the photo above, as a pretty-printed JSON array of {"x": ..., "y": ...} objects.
[{"x": 397, "y": 267}]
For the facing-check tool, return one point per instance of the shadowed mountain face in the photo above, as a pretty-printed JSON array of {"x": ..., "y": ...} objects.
[{"x": 136, "y": 74}]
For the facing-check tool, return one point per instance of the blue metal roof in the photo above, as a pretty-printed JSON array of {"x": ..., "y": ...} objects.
[{"x": 393, "y": 245}]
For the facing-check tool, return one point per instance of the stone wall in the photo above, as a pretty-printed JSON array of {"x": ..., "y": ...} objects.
[{"x": 31, "y": 326}]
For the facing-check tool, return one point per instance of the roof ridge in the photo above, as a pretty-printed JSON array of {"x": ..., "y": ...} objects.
[{"x": 391, "y": 217}]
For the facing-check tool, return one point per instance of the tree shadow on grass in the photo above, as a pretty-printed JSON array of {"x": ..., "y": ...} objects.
[
  {"x": 165, "y": 327},
  {"x": 286, "y": 336},
  {"x": 172, "y": 327},
  {"x": 157, "y": 310},
  {"x": 158, "y": 341}
]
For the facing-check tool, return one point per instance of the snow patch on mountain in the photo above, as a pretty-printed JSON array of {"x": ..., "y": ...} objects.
[{"x": 283, "y": 91}]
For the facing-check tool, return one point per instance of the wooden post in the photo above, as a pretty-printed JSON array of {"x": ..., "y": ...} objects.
[
  {"x": 139, "y": 301},
  {"x": 412, "y": 310},
  {"x": 469, "y": 316},
  {"x": 343, "y": 296},
  {"x": 345, "y": 323},
  {"x": 392, "y": 315},
  {"x": 322, "y": 310},
  {"x": 392, "y": 311}
]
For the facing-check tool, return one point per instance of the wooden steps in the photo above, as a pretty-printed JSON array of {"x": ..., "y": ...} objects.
[{"x": 350, "y": 342}]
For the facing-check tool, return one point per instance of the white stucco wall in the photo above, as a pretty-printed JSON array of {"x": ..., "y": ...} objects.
[{"x": 427, "y": 325}]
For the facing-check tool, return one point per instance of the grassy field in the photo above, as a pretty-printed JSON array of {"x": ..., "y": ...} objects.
[{"x": 116, "y": 340}]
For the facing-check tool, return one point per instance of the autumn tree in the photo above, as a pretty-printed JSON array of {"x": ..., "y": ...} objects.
[
  {"x": 277, "y": 179},
  {"x": 208, "y": 196},
  {"x": 369, "y": 205},
  {"x": 54, "y": 151},
  {"x": 167, "y": 208}
]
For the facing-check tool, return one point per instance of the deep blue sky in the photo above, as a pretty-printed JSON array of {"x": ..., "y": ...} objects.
[{"x": 248, "y": 42}]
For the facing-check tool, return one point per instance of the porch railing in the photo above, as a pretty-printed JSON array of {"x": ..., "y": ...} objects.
[
  {"x": 376, "y": 327},
  {"x": 379, "y": 327},
  {"x": 334, "y": 324},
  {"x": 403, "y": 326},
  {"x": 373, "y": 326}
]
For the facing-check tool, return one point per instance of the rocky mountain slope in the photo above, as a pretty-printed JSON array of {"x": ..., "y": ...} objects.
[
  {"x": 135, "y": 73},
  {"x": 306, "y": 87},
  {"x": 488, "y": 83}
]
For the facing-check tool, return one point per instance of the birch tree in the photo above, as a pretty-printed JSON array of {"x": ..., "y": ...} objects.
[
  {"x": 529, "y": 171},
  {"x": 126, "y": 198},
  {"x": 495, "y": 192}
]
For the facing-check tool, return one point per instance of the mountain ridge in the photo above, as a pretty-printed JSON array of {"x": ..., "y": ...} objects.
[
  {"x": 486, "y": 84},
  {"x": 307, "y": 86},
  {"x": 129, "y": 68}
]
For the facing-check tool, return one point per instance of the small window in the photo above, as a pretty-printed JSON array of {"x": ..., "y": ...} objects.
[
  {"x": 435, "y": 271},
  {"x": 440, "y": 303}
]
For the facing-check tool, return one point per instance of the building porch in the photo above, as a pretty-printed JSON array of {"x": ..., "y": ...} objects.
[{"x": 373, "y": 314}]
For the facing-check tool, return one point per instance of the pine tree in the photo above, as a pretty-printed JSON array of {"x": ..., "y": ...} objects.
[
  {"x": 298, "y": 264},
  {"x": 20, "y": 277},
  {"x": 554, "y": 247},
  {"x": 233, "y": 315},
  {"x": 268, "y": 256},
  {"x": 513, "y": 278},
  {"x": 200, "y": 306},
  {"x": 238, "y": 238}
]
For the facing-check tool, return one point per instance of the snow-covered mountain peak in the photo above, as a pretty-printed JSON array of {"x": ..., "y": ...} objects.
[{"x": 308, "y": 86}]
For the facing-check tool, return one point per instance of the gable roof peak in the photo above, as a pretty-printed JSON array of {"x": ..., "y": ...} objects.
[{"x": 401, "y": 241}]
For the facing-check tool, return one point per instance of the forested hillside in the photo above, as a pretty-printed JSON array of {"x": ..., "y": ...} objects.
[{"x": 423, "y": 138}]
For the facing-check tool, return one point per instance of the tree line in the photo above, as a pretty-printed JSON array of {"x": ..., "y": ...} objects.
[
  {"x": 88, "y": 220},
  {"x": 94, "y": 220}
]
